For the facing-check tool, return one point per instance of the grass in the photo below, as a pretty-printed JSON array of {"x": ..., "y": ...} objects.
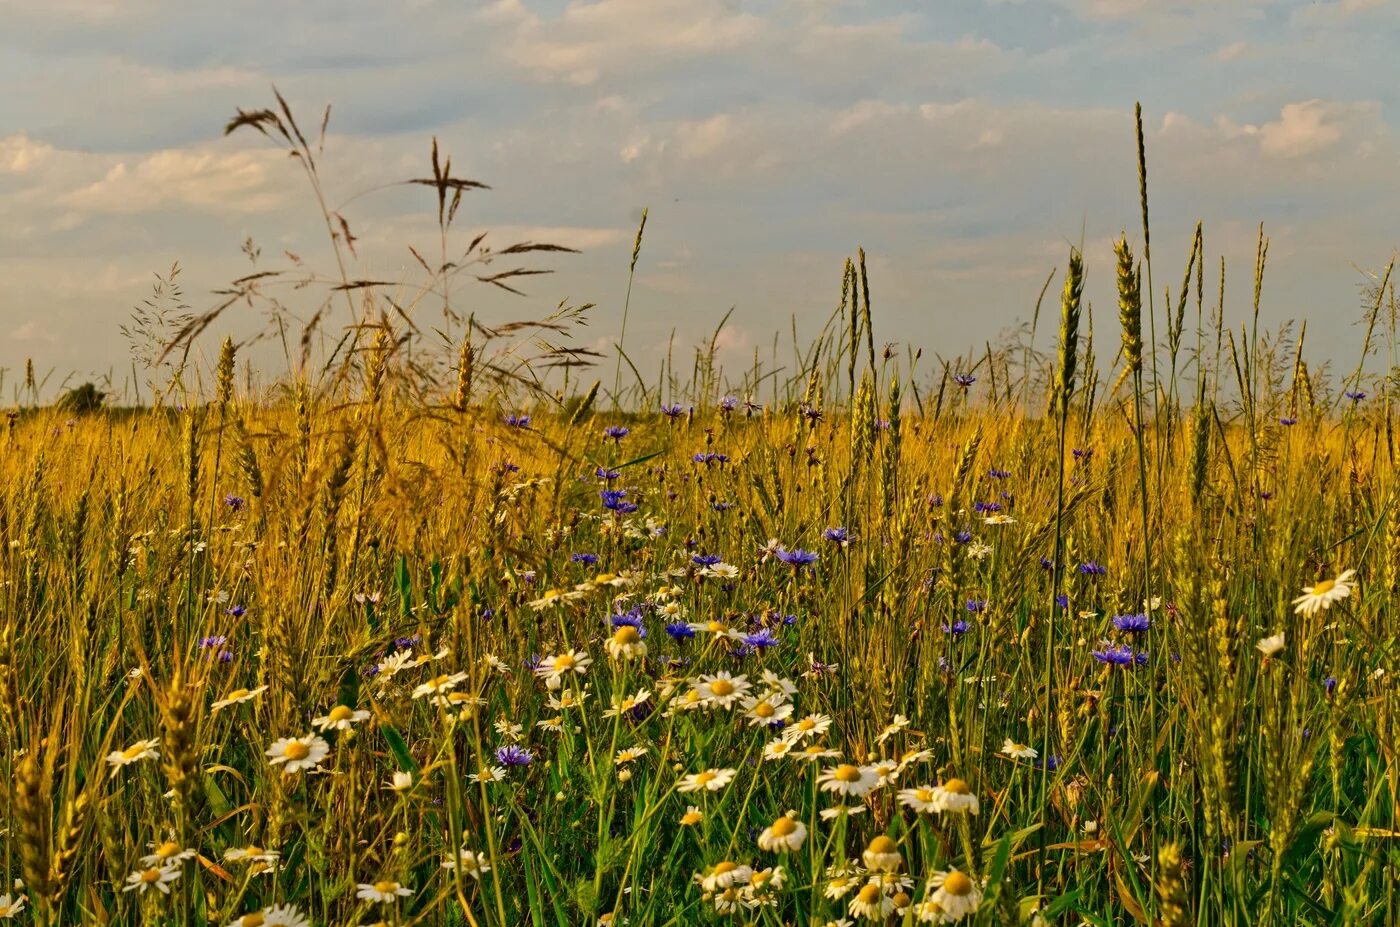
[{"x": 1024, "y": 626}]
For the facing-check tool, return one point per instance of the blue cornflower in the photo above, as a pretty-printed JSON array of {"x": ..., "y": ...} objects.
[
  {"x": 812, "y": 413},
  {"x": 996, "y": 474},
  {"x": 237, "y": 611},
  {"x": 1132, "y": 624},
  {"x": 680, "y": 631},
  {"x": 1093, "y": 568},
  {"x": 728, "y": 404},
  {"x": 603, "y": 473},
  {"x": 976, "y": 606},
  {"x": 218, "y": 640},
  {"x": 532, "y": 662},
  {"x": 1062, "y": 600},
  {"x": 982, "y": 508},
  {"x": 1120, "y": 656},
  {"x": 1329, "y": 685},
  {"x": 705, "y": 560},
  {"x": 1083, "y": 453},
  {"x": 935, "y": 501},
  {"x": 837, "y": 535},
  {"x": 616, "y": 500},
  {"x": 721, "y": 506},
  {"x": 585, "y": 559},
  {"x": 1046, "y": 563},
  {"x": 956, "y": 629},
  {"x": 1355, "y": 395},
  {"x": 1288, "y": 420},
  {"x": 632, "y": 619},
  {"x": 235, "y": 503},
  {"x": 962, "y": 537},
  {"x": 511, "y": 755},
  {"x": 518, "y": 420},
  {"x": 616, "y": 432},
  {"x": 508, "y": 467},
  {"x": 760, "y": 639},
  {"x": 964, "y": 379},
  {"x": 672, "y": 412},
  {"x": 798, "y": 558}
]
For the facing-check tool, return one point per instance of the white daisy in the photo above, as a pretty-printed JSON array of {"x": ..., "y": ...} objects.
[
  {"x": 298, "y": 754},
  {"x": 141, "y": 750},
  {"x": 710, "y": 780},
  {"x": 1324, "y": 594},
  {"x": 237, "y": 697},
  {"x": 1270, "y": 645},
  {"x": 954, "y": 898},
  {"x": 385, "y": 891},
  {"x": 340, "y": 718},
  {"x": 157, "y": 877},
  {"x": 785, "y": 833}
]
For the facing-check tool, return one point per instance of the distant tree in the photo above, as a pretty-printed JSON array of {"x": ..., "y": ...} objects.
[{"x": 81, "y": 400}]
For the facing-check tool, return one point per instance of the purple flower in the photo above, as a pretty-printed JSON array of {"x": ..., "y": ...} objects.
[
  {"x": 976, "y": 606},
  {"x": 964, "y": 379},
  {"x": 705, "y": 560},
  {"x": 1092, "y": 568},
  {"x": 1120, "y": 656},
  {"x": 1062, "y": 600},
  {"x": 1132, "y": 624},
  {"x": 728, "y": 404},
  {"x": 511, "y": 755},
  {"x": 632, "y": 619},
  {"x": 680, "y": 631},
  {"x": 672, "y": 412},
  {"x": 518, "y": 420},
  {"x": 217, "y": 640},
  {"x": 935, "y": 501},
  {"x": 962, "y": 537},
  {"x": 235, "y": 503},
  {"x": 616, "y": 500},
  {"x": 1046, "y": 563},
  {"x": 616, "y": 432},
  {"x": 1329, "y": 685},
  {"x": 836, "y": 535},
  {"x": 956, "y": 629},
  {"x": 237, "y": 611},
  {"x": 761, "y": 639},
  {"x": 798, "y": 558},
  {"x": 996, "y": 474},
  {"x": 603, "y": 473},
  {"x": 585, "y": 559},
  {"x": 1288, "y": 420},
  {"x": 1355, "y": 395},
  {"x": 982, "y": 508},
  {"x": 1083, "y": 453}
]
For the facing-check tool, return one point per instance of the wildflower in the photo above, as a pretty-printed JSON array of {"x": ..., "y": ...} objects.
[
  {"x": 710, "y": 780},
  {"x": 1018, "y": 751},
  {"x": 168, "y": 853},
  {"x": 778, "y": 748},
  {"x": 999, "y": 519},
  {"x": 439, "y": 685},
  {"x": 964, "y": 379},
  {"x": 251, "y": 854},
  {"x": 384, "y": 892},
  {"x": 400, "y": 782},
  {"x": 881, "y": 854},
  {"x": 720, "y": 571},
  {"x": 812, "y": 725},
  {"x": 1120, "y": 656},
  {"x": 1355, "y": 395},
  {"x": 277, "y": 915},
  {"x": 1270, "y": 645},
  {"x": 627, "y": 703},
  {"x": 157, "y": 877},
  {"x": 469, "y": 862},
  {"x": 796, "y": 558},
  {"x": 813, "y": 752},
  {"x": 238, "y": 697},
  {"x": 10, "y": 906},
  {"x": 920, "y": 800},
  {"x": 785, "y": 833},
  {"x": 616, "y": 432},
  {"x": 871, "y": 902},
  {"x": 488, "y": 774},
  {"x": 1288, "y": 421},
  {"x": 512, "y": 755},
  {"x": 838, "y": 536},
  {"x": 761, "y": 639},
  {"x": 626, "y": 643},
  {"x": 848, "y": 779},
  {"x": 954, "y": 898},
  {"x": 1322, "y": 595},
  {"x": 680, "y": 631},
  {"x": 1132, "y": 624},
  {"x": 296, "y": 754},
  {"x": 518, "y": 420},
  {"x": 554, "y": 669},
  {"x": 721, "y": 689},
  {"x": 691, "y": 817},
  {"x": 768, "y": 710},
  {"x": 955, "y": 795},
  {"x": 141, "y": 750},
  {"x": 724, "y": 874}
]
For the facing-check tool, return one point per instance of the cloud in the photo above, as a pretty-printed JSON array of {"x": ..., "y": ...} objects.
[
  {"x": 19, "y": 154},
  {"x": 1310, "y": 129},
  {"x": 239, "y": 182}
]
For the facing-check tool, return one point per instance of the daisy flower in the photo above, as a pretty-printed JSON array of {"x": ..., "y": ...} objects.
[
  {"x": 777, "y": 685},
  {"x": 887, "y": 771},
  {"x": 10, "y": 906},
  {"x": 141, "y": 750},
  {"x": 626, "y": 643},
  {"x": 722, "y": 689},
  {"x": 629, "y": 755},
  {"x": 848, "y": 779},
  {"x": 717, "y": 629},
  {"x": 489, "y": 774},
  {"x": 439, "y": 685},
  {"x": 778, "y": 748},
  {"x": 881, "y": 855},
  {"x": 340, "y": 718},
  {"x": 238, "y": 697},
  {"x": 894, "y": 727},
  {"x": 1270, "y": 645},
  {"x": 400, "y": 782},
  {"x": 786, "y": 833},
  {"x": 385, "y": 891},
  {"x": 813, "y": 752},
  {"x": 954, "y": 898},
  {"x": 250, "y": 854},
  {"x": 296, "y": 754},
  {"x": 871, "y": 902},
  {"x": 711, "y": 780},
  {"x": 841, "y": 811},
  {"x": 1323, "y": 595},
  {"x": 722, "y": 875},
  {"x": 955, "y": 795},
  {"x": 1018, "y": 751},
  {"x": 168, "y": 853},
  {"x": 840, "y": 880},
  {"x": 810, "y": 726},
  {"x": 157, "y": 877},
  {"x": 921, "y": 800},
  {"x": 627, "y": 703},
  {"x": 277, "y": 915},
  {"x": 691, "y": 817},
  {"x": 470, "y": 862},
  {"x": 767, "y": 710},
  {"x": 554, "y": 724},
  {"x": 720, "y": 570},
  {"x": 553, "y": 669}
]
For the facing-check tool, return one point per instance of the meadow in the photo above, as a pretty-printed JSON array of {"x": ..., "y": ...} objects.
[{"x": 996, "y": 639}]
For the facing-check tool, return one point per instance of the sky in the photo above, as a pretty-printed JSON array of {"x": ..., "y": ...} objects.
[{"x": 966, "y": 145}]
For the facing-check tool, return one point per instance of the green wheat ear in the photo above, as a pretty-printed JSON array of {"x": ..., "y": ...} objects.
[
  {"x": 1070, "y": 301},
  {"x": 1129, "y": 306}
]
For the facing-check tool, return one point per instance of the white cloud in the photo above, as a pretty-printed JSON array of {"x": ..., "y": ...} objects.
[
  {"x": 20, "y": 154},
  {"x": 238, "y": 181}
]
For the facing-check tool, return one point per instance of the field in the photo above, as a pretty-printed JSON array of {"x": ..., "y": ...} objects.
[{"x": 1095, "y": 636}]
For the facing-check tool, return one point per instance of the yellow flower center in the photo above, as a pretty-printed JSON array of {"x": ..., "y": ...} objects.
[
  {"x": 881, "y": 844},
  {"x": 550, "y": 594},
  {"x": 1324, "y": 587},
  {"x": 725, "y": 866},
  {"x": 167, "y": 849},
  {"x": 705, "y": 778},
  {"x": 846, "y": 773},
  {"x": 784, "y": 826},
  {"x": 957, "y": 787},
  {"x": 717, "y": 627},
  {"x": 236, "y": 694},
  {"x": 764, "y": 710},
  {"x": 386, "y": 888},
  {"x": 150, "y": 876},
  {"x": 627, "y": 635},
  {"x": 133, "y": 751},
  {"x": 341, "y": 713},
  {"x": 602, "y": 578},
  {"x": 957, "y": 884},
  {"x": 437, "y": 682},
  {"x": 901, "y": 900},
  {"x": 869, "y": 893},
  {"x": 722, "y": 687},
  {"x": 296, "y": 750},
  {"x": 251, "y": 920},
  {"x": 690, "y": 818},
  {"x": 924, "y": 795},
  {"x": 564, "y": 662},
  {"x": 806, "y": 724}
]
